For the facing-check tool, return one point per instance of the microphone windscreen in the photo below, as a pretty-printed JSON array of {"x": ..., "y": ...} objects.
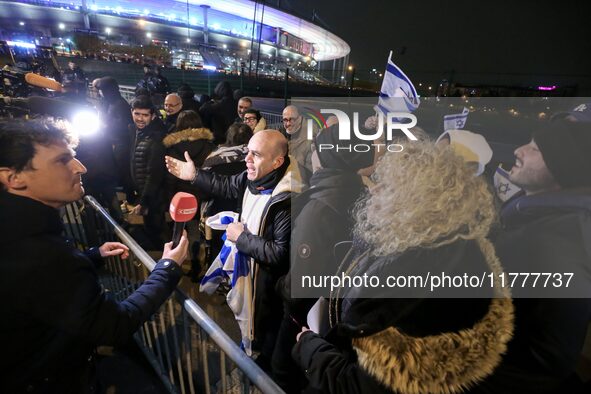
[
  {"x": 43, "y": 82},
  {"x": 183, "y": 207}
]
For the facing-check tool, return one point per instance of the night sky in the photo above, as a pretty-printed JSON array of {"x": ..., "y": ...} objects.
[{"x": 433, "y": 37}]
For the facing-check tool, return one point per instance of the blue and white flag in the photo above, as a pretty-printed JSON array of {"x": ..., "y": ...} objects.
[
  {"x": 456, "y": 121},
  {"x": 504, "y": 188},
  {"x": 233, "y": 267},
  {"x": 398, "y": 93}
]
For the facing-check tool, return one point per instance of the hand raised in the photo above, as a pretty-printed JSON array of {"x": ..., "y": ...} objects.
[{"x": 184, "y": 170}]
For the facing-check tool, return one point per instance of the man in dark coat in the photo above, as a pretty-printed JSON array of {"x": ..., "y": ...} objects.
[
  {"x": 322, "y": 220},
  {"x": 54, "y": 309},
  {"x": 115, "y": 115},
  {"x": 218, "y": 115},
  {"x": 147, "y": 168},
  {"x": 264, "y": 192},
  {"x": 548, "y": 230},
  {"x": 173, "y": 105}
]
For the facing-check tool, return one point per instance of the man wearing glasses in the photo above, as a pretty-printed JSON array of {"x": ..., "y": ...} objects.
[
  {"x": 254, "y": 120},
  {"x": 300, "y": 147},
  {"x": 173, "y": 104}
]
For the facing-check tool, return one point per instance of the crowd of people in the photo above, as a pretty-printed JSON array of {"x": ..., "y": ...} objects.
[{"x": 303, "y": 211}]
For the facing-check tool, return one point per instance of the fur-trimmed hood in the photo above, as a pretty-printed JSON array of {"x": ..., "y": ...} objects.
[
  {"x": 445, "y": 363},
  {"x": 187, "y": 135}
]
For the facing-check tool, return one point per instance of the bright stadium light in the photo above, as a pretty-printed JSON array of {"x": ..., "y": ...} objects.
[
  {"x": 21, "y": 23},
  {"x": 188, "y": 39},
  {"x": 148, "y": 34},
  {"x": 61, "y": 26},
  {"x": 108, "y": 30}
]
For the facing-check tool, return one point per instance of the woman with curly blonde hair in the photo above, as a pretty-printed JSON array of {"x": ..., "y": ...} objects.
[{"x": 400, "y": 330}]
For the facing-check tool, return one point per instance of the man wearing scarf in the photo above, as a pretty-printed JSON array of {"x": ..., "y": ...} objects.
[{"x": 263, "y": 232}]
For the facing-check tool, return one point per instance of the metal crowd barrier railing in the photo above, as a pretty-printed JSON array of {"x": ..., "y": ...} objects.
[
  {"x": 274, "y": 120},
  {"x": 187, "y": 349}
]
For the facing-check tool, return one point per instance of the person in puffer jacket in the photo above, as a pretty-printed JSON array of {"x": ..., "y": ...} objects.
[{"x": 147, "y": 168}]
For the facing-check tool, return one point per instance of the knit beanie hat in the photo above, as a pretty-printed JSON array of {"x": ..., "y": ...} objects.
[{"x": 566, "y": 149}]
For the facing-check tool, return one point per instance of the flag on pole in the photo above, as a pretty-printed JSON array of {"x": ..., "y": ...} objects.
[
  {"x": 456, "y": 121},
  {"x": 398, "y": 94}
]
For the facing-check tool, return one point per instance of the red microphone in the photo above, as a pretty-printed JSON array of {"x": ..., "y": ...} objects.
[{"x": 183, "y": 208}]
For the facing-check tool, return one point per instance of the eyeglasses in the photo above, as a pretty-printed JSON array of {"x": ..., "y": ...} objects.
[
  {"x": 249, "y": 119},
  {"x": 285, "y": 120}
]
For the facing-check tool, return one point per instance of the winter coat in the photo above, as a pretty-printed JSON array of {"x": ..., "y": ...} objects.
[
  {"x": 270, "y": 247},
  {"x": 54, "y": 311},
  {"x": 147, "y": 164},
  {"x": 219, "y": 115},
  {"x": 322, "y": 218},
  {"x": 409, "y": 345},
  {"x": 547, "y": 232},
  {"x": 197, "y": 142}
]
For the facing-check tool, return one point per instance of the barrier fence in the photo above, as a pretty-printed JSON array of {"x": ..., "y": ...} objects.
[{"x": 188, "y": 350}]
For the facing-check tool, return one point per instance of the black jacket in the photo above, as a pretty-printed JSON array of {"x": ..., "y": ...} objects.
[
  {"x": 54, "y": 310},
  {"x": 197, "y": 142},
  {"x": 147, "y": 163},
  {"x": 322, "y": 218},
  {"x": 269, "y": 248},
  {"x": 385, "y": 345},
  {"x": 219, "y": 115},
  {"x": 549, "y": 232}
]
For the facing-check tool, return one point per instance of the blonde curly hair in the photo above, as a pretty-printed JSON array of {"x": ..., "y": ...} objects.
[{"x": 425, "y": 196}]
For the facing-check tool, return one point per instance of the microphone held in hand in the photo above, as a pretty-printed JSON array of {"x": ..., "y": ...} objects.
[{"x": 183, "y": 208}]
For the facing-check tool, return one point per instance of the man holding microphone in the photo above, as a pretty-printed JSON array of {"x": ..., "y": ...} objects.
[{"x": 54, "y": 309}]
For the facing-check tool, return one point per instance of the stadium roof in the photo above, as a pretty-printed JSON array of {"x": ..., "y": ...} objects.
[{"x": 327, "y": 45}]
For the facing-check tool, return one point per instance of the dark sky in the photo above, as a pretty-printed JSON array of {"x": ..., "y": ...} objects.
[{"x": 427, "y": 36}]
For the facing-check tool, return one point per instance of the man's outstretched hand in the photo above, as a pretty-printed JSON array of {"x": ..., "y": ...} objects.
[
  {"x": 114, "y": 249},
  {"x": 184, "y": 170}
]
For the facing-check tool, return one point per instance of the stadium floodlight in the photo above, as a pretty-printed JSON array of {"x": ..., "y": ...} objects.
[
  {"x": 61, "y": 26},
  {"x": 225, "y": 46},
  {"x": 208, "y": 67},
  {"x": 21, "y": 23},
  {"x": 108, "y": 30},
  {"x": 188, "y": 39},
  {"x": 148, "y": 34}
]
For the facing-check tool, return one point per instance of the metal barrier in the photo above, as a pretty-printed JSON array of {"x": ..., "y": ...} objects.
[
  {"x": 274, "y": 120},
  {"x": 127, "y": 92},
  {"x": 188, "y": 350}
]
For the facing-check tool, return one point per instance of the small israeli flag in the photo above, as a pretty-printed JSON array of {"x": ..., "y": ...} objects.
[
  {"x": 504, "y": 188},
  {"x": 398, "y": 94},
  {"x": 456, "y": 121}
]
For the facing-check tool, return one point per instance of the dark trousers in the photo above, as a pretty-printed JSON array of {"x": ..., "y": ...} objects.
[{"x": 286, "y": 373}]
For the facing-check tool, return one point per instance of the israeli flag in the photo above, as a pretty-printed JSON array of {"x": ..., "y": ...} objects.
[
  {"x": 456, "y": 121},
  {"x": 504, "y": 188},
  {"x": 398, "y": 93},
  {"x": 233, "y": 267}
]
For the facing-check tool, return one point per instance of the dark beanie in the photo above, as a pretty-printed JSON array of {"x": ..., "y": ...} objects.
[
  {"x": 566, "y": 149},
  {"x": 342, "y": 159}
]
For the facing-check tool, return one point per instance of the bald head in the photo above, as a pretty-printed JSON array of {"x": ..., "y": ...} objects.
[
  {"x": 266, "y": 152},
  {"x": 292, "y": 121},
  {"x": 173, "y": 104}
]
